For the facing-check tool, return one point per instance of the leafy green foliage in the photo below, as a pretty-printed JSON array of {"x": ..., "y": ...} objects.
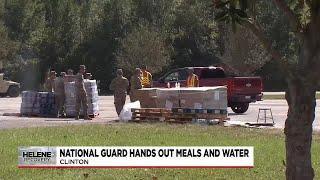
[
  {"x": 231, "y": 11},
  {"x": 61, "y": 34},
  {"x": 143, "y": 46},
  {"x": 7, "y": 46}
]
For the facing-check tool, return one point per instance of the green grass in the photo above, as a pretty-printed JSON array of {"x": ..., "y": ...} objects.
[
  {"x": 280, "y": 96},
  {"x": 268, "y": 144}
]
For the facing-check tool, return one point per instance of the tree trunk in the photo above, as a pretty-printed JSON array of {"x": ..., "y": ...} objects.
[{"x": 298, "y": 128}]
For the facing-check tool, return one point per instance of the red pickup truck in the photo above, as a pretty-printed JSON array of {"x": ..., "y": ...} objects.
[{"x": 241, "y": 90}]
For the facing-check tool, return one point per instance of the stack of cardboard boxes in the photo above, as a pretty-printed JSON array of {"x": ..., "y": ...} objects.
[
  {"x": 194, "y": 98},
  {"x": 147, "y": 97}
]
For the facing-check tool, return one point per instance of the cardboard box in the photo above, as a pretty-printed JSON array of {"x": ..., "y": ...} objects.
[
  {"x": 204, "y": 98},
  {"x": 167, "y": 98},
  {"x": 195, "y": 98},
  {"x": 147, "y": 97}
]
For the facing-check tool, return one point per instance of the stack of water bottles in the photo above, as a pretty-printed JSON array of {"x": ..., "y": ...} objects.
[
  {"x": 38, "y": 104},
  {"x": 92, "y": 98},
  {"x": 47, "y": 104},
  {"x": 70, "y": 101},
  {"x": 28, "y": 101}
]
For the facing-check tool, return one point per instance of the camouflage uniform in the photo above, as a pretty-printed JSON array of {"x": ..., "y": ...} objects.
[
  {"x": 59, "y": 94},
  {"x": 135, "y": 84},
  {"x": 69, "y": 77},
  {"x": 49, "y": 85},
  {"x": 120, "y": 86},
  {"x": 81, "y": 96}
]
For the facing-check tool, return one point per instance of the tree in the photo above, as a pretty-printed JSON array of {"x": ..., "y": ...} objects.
[
  {"x": 159, "y": 13},
  {"x": 8, "y": 47},
  {"x": 143, "y": 46},
  {"x": 242, "y": 50},
  {"x": 194, "y": 34},
  {"x": 57, "y": 34},
  {"x": 301, "y": 73}
]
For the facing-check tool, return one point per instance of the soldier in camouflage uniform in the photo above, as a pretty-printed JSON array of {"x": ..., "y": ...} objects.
[
  {"x": 70, "y": 72},
  {"x": 119, "y": 86},
  {"x": 60, "y": 94},
  {"x": 69, "y": 76},
  {"x": 81, "y": 94},
  {"x": 135, "y": 84},
  {"x": 49, "y": 84}
]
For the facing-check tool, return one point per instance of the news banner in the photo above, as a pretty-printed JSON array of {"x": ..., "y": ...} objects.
[{"x": 136, "y": 157}]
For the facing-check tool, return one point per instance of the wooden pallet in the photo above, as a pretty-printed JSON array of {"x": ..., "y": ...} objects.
[
  {"x": 260, "y": 124},
  {"x": 199, "y": 116},
  {"x": 150, "y": 114},
  {"x": 199, "y": 111},
  {"x": 206, "y": 114},
  {"x": 146, "y": 117},
  {"x": 81, "y": 116},
  {"x": 150, "y": 110},
  {"x": 30, "y": 115},
  {"x": 166, "y": 115},
  {"x": 11, "y": 114}
]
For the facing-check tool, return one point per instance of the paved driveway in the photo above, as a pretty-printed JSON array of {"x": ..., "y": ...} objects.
[{"x": 107, "y": 114}]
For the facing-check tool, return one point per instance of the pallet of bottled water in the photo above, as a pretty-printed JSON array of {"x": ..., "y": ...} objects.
[
  {"x": 38, "y": 104},
  {"x": 92, "y": 98},
  {"x": 27, "y": 104},
  {"x": 47, "y": 103}
]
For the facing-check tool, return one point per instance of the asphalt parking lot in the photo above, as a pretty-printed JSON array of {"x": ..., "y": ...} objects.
[{"x": 108, "y": 114}]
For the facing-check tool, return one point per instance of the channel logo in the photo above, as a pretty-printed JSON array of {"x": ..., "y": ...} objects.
[{"x": 37, "y": 156}]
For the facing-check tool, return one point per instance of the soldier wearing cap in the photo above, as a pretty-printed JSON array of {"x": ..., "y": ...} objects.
[
  {"x": 81, "y": 94},
  {"x": 49, "y": 84},
  {"x": 136, "y": 84},
  {"x": 70, "y": 72},
  {"x": 119, "y": 86},
  {"x": 60, "y": 94},
  {"x": 68, "y": 77}
]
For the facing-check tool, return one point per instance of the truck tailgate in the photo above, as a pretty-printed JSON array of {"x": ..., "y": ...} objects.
[{"x": 246, "y": 85}]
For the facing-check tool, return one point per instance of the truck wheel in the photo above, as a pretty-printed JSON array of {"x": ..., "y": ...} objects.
[
  {"x": 240, "y": 108},
  {"x": 13, "y": 91}
]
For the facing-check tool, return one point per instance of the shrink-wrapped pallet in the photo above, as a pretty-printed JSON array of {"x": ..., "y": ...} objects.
[
  {"x": 46, "y": 101},
  {"x": 203, "y": 97},
  {"x": 92, "y": 98},
  {"x": 27, "y": 104},
  {"x": 168, "y": 98},
  {"x": 147, "y": 97},
  {"x": 70, "y": 98},
  {"x": 38, "y": 104},
  {"x": 198, "y": 98}
]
